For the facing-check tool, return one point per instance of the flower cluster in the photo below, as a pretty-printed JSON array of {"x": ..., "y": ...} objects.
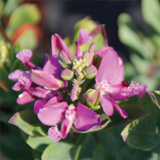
[{"x": 72, "y": 90}]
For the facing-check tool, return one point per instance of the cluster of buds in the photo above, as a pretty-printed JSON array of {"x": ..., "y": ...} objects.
[{"x": 72, "y": 90}]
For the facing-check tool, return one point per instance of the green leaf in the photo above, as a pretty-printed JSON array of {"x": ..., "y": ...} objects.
[
  {"x": 141, "y": 133},
  {"x": 153, "y": 97},
  {"x": 37, "y": 143},
  {"x": 151, "y": 13},
  {"x": 23, "y": 14},
  {"x": 57, "y": 151},
  {"x": 10, "y": 6},
  {"x": 28, "y": 122},
  {"x": 36, "y": 154},
  {"x": 128, "y": 153}
]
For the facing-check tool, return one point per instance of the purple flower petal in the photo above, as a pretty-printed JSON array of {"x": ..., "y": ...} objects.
[
  {"x": 106, "y": 105},
  {"x": 84, "y": 37},
  {"x": 25, "y": 97},
  {"x": 86, "y": 118},
  {"x": 42, "y": 92},
  {"x": 52, "y": 114},
  {"x": 58, "y": 43},
  {"x": 108, "y": 67},
  {"x": 24, "y": 56},
  {"x": 38, "y": 105},
  {"x": 102, "y": 51},
  {"x": 46, "y": 80},
  {"x": 53, "y": 67},
  {"x": 53, "y": 100},
  {"x": 15, "y": 75},
  {"x": 120, "y": 110}
]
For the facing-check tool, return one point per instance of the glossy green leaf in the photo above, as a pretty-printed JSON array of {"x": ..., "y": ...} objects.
[
  {"x": 28, "y": 122},
  {"x": 141, "y": 133},
  {"x": 151, "y": 13},
  {"x": 57, "y": 151},
  {"x": 37, "y": 143}
]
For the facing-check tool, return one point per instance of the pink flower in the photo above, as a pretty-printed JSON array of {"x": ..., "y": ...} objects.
[
  {"x": 110, "y": 77},
  {"x": 52, "y": 112}
]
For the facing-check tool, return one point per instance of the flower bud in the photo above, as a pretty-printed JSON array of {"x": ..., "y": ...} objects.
[
  {"x": 67, "y": 74},
  {"x": 90, "y": 72},
  {"x": 91, "y": 96}
]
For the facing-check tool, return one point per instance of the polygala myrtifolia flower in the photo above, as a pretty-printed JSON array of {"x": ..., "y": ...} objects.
[{"x": 72, "y": 90}]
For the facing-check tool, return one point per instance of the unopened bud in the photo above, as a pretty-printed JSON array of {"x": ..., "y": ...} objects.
[
  {"x": 91, "y": 96},
  {"x": 67, "y": 74},
  {"x": 90, "y": 72}
]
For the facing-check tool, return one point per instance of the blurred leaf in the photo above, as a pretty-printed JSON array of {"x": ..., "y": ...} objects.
[
  {"x": 28, "y": 122},
  {"x": 36, "y": 143},
  {"x": 141, "y": 65},
  {"x": 24, "y": 13},
  {"x": 141, "y": 133},
  {"x": 127, "y": 152},
  {"x": 28, "y": 40},
  {"x": 1, "y": 7},
  {"x": 17, "y": 65},
  {"x": 57, "y": 151},
  {"x": 128, "y": 35},
  {"x": 151, "y": 13},
  {"x": 13, "y": 145},
  {"x": 5, "y": 83},
  {"x": 153, "y": 98},
  {"x": 10, "y": 6}
]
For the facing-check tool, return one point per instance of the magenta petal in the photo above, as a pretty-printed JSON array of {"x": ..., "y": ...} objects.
[
  {"x": 108, "y": 67},
  {"x": 120, "y": 73},
  {"x": 66, "y": 127},
  {"x": 58, "y": 43},
  {"x": 54, "y": 100},
  {"x": 86, "y": 118},
  {"x": 120, "y": 110},
  {"x": 24, "y": 56},
  {"x": 102, "y": 52},
  {"x": 53, "y": 67},
  {"x": 25, "y": 97},
  {"x": 25, "y": 80},
  {"x": 52, "y": 114},
  {"x": 46, "y": 80},
  {"x": 15, "y": 75},
  {"x": 41, "y": 92},
  {"x": 78, "y": 53},
  {"x": 106, "y": 105},
  {"x": 38, "y": 105},
  {"x": 84, "y": 37}
]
